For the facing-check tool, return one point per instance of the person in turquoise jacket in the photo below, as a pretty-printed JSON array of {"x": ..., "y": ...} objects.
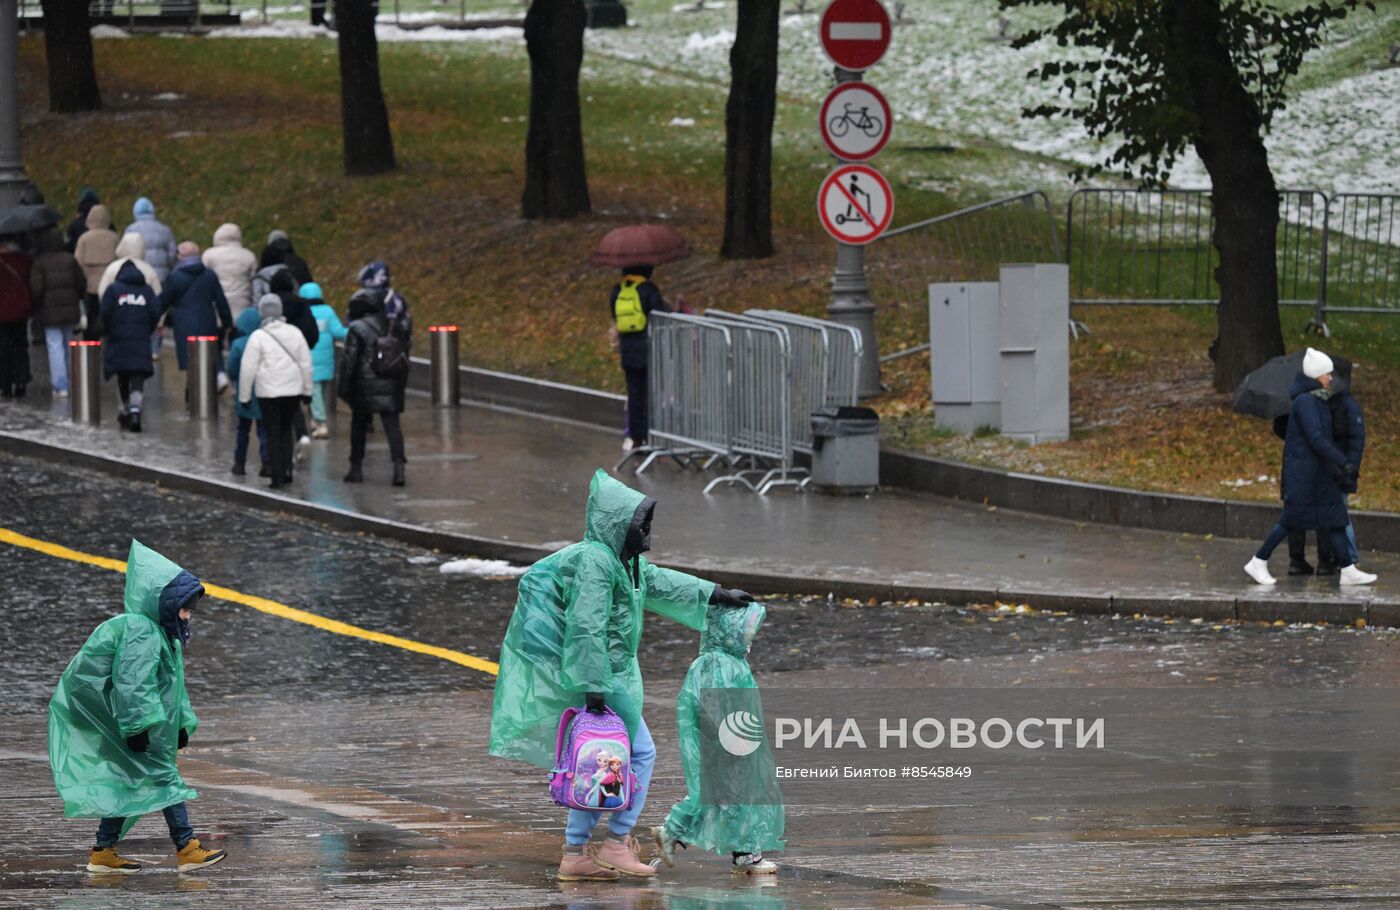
[
  {"x": 747, "y": 817},
  {"x": 248, "y": 413},
  {"x": 120, "y": 714},
  {"x": 322, "y": 355},
  {"x": 572, "y": 643}
]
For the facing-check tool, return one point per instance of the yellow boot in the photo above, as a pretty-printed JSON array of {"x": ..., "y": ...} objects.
[
  {"x": 107, "y": 859},
  {"x": 192, "y": 856}
]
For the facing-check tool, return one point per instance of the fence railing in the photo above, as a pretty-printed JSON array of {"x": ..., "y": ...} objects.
[
  {"x": 690, "y": 386},
  {"x": 1363, "y": 255}
]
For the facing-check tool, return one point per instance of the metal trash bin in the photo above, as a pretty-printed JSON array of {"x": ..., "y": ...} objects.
[
  {"x": 845, "y": 450},
  {"x": 85, "y": 381},
  {"x": 201, "y": 376},
  {"x": 446, "y": 380}
]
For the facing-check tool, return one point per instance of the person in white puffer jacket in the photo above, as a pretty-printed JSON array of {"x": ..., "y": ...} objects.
[
  {"x": 235, "y": 265},
  {"x": 276, "y": 366},
  {"x": 131, "y": 248}
]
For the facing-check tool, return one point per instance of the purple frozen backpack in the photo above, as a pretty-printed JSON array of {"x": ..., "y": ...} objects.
[{"x": 592, "y": 762}]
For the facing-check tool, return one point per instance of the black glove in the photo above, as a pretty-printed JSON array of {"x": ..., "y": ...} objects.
[
  {"x": 139, "y": 742},
  {"x": 184, "y": 740},
  {"x": 594, "y": 702},
  {"x": 730, "y": 597},
  {"x": 1344, "y": 472}
]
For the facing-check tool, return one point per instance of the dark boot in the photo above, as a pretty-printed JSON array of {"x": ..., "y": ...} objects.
[
  {"x": 1326, "y": 567},
  {"x": 239, "y": 469},
  {"x": 398, "y": 474},
  {"x": 265, "y": 470},
  {"x": 124, "y": 420},
  {"x": 354, "y": 475},
  {"x": 1299, "y": 567},
  {"x": 134, "y": 425}
]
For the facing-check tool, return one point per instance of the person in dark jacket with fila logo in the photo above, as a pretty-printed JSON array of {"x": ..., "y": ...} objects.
[
  {"x": 373, "y": 375},
  {"x": 630, "y": 304},
  {"x": 130, "y": 311}
]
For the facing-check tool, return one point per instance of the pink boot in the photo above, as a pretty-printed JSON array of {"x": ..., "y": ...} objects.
[
  {"x": 579, "y": 867},
  {"x": 622, "y": 856}
]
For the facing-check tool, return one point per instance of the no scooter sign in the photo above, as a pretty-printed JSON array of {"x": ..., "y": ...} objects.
[
  {"x": 855, "y": 121},
  {"x": 855, "y": 204}
]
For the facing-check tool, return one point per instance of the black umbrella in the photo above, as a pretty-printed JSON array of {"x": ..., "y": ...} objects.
[
  {"x": 1264, "y": 393},
  {"x": 21, "y": 219}
]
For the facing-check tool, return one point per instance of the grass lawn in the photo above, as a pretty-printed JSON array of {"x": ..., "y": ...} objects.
[{"x": 253, "y": 137}]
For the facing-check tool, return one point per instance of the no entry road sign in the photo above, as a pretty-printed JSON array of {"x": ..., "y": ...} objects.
[
  {"x": 855, "y": 204},
  {"x": 855, "y": 121},
  {"x": 855, "y": 33}
]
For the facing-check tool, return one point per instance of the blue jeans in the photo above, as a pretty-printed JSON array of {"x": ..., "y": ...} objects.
[
  {"x": 1341, "y": 545},
  {"x": 240, "y": 440},
  {"x": 177, "y": 818},
  {"x": 620, "y": 824},
  {"x": 57, "y": 338}
]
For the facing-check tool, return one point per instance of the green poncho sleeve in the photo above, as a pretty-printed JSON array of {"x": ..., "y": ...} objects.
[
  {"x": 136, "y": 695},
  {"x": 585, "y": 666},
  {"x": 677, "y": 596}
]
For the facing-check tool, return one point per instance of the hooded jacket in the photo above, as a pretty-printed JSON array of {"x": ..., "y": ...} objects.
[
  {"x": 577, "y": 625},
  {"x": 329, "y": 328},
  {"x": 360, "y": 386},
  {"x": 97, "y": 247},
  {"x": 281, "y": 252},
  {"x": 132, "y": 248},
  {"x": 1312, "y": 462},
  {"x": 130, "y": 311},
  {"x": 86, "y": 200},
  {"x": 160, "y": 242},
  {"x": 243, "y": 327},
  {"x": 295, "y": 309},
  {"x": 276, "y": 360},
  {"x": 128, "y": 677},
  {"x": 234, "y": 264},
  {"x": 711, "y": 816},
  {"x": 56, "y": 283},
  {"x": 193, "y": 303}
]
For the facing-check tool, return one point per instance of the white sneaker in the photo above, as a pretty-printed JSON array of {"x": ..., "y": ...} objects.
[
  {"x": 300, "y": 454},
  {"x": 753, "y": 864},
  {"x": 627, "y": 444},
  {"x": 221, "y": 383},
  {"x": 60, "y": 393},
  {"x": 1351, "y": 575},
  {"x": 1258, "y": 570}
]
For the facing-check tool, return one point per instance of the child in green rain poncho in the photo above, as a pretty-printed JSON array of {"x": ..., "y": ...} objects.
[{"x": 743, "y": 814}]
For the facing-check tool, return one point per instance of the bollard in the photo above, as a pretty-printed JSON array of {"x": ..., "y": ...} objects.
[
  {"x": 201, "y": 393},
  {"x": 446, "y": 381},
  {"x": 85, "y": 381}
]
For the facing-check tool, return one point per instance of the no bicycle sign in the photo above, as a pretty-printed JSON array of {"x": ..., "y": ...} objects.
[{"x": 855, "y": 204}]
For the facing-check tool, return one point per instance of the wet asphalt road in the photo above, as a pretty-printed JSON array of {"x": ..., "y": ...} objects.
[{"x": 336, "y": 768}]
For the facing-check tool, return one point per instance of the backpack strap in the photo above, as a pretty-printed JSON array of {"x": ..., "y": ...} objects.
[{"x": 565, "y": 720}]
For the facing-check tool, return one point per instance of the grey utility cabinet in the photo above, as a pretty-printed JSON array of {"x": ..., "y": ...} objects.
[
  {"x": 963, "y": 321},
  {"x": 1034, "y": 305}
]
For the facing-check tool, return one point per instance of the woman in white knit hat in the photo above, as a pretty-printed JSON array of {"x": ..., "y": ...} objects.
[{"x": 1314, "y": 471}]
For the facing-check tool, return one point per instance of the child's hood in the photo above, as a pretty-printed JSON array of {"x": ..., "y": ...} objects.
[
  {"x": 148, "y": 576},
  {"x": 731, "y": 629}
]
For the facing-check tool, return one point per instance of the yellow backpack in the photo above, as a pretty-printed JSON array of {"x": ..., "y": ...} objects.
[{"x": 627, "y": 308}]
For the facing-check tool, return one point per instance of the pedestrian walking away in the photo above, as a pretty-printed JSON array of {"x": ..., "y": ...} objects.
[
  {"x": 193, "y": 305},
  {"x": 130, "y": 310},
  {"x": 572, "y": 643},
  {"x": 630, "y": 304},
  {"x": 279, "y": 251},
  {"x": 130, "y": 248},
  {"x": 95, "y": 250},
  {"x": 277, "y": 362},
  {"x": 248, "y": 414},
  {"x": 87, "y": 198},
  {"x": 15, "y": 309},
  {"x": 160, "y": 251},
  {"x": 121, "y": 713},
  {"x": 375, "y": 276},
  {"x": 373, "y": 377},
  {"x": 329, "y": 329},
  {"x": 235, "y": 265},
  {"x": 742, "y": 830},
  {"x": 1315, "y": 472},
  {"x": 297, "y": 311},
  {"x": 57, "y": 285}
]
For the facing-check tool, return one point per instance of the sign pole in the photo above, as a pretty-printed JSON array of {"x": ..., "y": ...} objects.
[
  {"x": 850, "y": 296},
  {"x": 12, "y": 176}
]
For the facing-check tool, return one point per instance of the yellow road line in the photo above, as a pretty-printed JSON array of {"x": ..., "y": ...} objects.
[{"x": 262, "y": 604}]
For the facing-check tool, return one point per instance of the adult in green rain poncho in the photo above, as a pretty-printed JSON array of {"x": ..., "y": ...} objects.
[
  {"x": 120, "y": 714},
  {"x": 572, "y": 642},
  {"x": 732, "y": 803}
]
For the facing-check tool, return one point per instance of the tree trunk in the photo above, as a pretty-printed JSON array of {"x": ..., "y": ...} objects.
[
  {"x": 748, "y": 122},
  {"x": 68, "y": 47},
  {"x": 556, "y": 183},
  {"x": 369, "y": 144},
  {"x": 1229, "y": 139}
]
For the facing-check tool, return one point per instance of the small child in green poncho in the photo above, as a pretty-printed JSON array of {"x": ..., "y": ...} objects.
[{"x": 743, "y": 831}]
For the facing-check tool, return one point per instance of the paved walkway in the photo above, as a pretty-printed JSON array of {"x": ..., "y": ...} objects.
[{"x": 511, "y": 477}]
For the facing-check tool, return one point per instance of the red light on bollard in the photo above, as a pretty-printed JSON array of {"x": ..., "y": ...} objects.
[
  {"x": 442, "y": 328},
  {"x": 84, "y": 344},
  {"x": 201, "y": 337}
]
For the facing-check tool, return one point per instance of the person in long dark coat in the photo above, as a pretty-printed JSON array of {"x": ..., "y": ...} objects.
[
  {"x": 16, "y": 307},
  {"x": 194, "y": 305},
  {"x": 279, "y": 251},
  {"x": 130, "y": 311},
  {"x": 1314, "y": 471},
  {"x": 366, "y": 391},
  {"x": 630, "y": 304}
]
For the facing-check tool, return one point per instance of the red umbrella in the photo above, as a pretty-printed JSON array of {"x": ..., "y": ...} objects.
[{"x": 640, "y": 244}]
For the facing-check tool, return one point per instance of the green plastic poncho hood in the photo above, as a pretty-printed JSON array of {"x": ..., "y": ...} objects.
[
  {"x": 577, "y": 625},
  {"x": 722, "y": 666},
  {"x": 129, "y": 676}
]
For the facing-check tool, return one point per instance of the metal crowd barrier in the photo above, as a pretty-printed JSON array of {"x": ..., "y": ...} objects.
[
  {"x": 843, "y": 353},
  {"x": 762, "y": 411}
]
